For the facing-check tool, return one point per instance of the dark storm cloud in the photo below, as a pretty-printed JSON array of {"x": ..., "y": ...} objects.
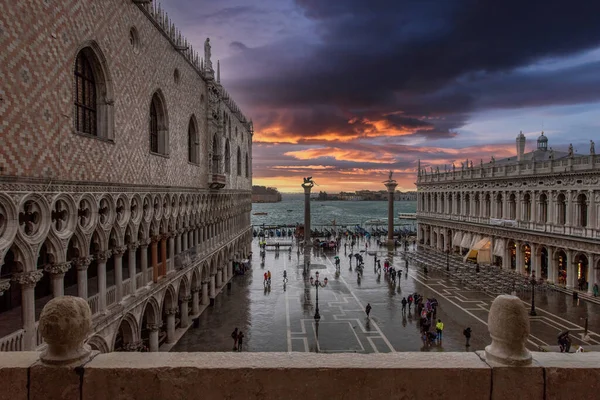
[
  {"x": 238, "y": 46},
  {"x": 434, "y": 60}
]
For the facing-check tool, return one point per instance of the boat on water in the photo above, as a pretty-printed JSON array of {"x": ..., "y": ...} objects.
[
  {"x": 290, "y": 210},
  {"x": 260, "y": 213}
]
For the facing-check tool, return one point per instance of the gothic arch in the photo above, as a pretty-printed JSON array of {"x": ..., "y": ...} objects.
[{"x": 97, "y": 342}]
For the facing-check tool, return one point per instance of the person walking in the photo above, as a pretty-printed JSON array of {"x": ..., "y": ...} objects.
[
  {"x": 368, "y": 309},
  {"x": 240, "y": 340},
  {"x": 269, "y": 277},
  {"x": 467, "y": 333},
  {"x": 410, "y": 300},
  {"x": 234, "y": 336},
  {"x": 595, "y": 290},
  {"x": 404, "y": 305},
  {"x": 439, "y": 328}
]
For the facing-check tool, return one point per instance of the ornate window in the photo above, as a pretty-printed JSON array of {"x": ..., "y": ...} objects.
[
  {"x": 526, "y": 207},
  {"x": 159, "y": 137},
  {"x": 92, "y": 94},
  {"x": 543, "y": 208},
  {"x": 499, "y": 206},
  {"x": 192, "y": 142},
  {"x": 562, "y": 210},
  {"x": 227, "y": 157},
  {"x": 239, "y": 162},
  {"x": 215, "y": 156},
  {"x": 512, "y": 207},
  {"x": 85, "y": 96},
  {"x": 582, "y": 210}
]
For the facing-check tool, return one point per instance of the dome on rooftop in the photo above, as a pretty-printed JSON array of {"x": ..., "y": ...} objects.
[{"x": 542, "y": 142}]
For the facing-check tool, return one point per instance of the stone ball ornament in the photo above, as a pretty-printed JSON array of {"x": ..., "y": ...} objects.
[
  {"x": 65, "y": 323},
  {"x": 508, "y": 324}
]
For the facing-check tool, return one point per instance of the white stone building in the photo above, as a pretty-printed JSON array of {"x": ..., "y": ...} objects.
[
  {"x": 125, "y": 171},
  {"x": 537, "y": 211}
]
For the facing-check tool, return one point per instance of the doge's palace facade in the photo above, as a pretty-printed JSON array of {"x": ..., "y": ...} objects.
[
  {"x": 125, "y": 171},
  {"x": 536, "y": 212}
]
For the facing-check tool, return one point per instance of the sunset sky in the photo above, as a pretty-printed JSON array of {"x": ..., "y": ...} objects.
[{"x": 346, "y": 90}]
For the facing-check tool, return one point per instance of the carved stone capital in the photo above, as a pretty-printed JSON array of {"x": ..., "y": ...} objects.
[
  {"x": 28, "y": 279},
  {"x": 102, "y": 256},
  {"x": 205, "y": 282},
  {"x": 133, "y": 346},
  {"x": 82, "y": 263},
  {"x": 145, "y": 242},
  {"x": 133, "y": 245},
  {"x": 155, "y": 239},
  {"x": 153, "y": 327},
  {"x": 186, "y": 298},
  {"x": 4, "y": 286},
  {"x": 172, "y": 311},
  {"x": 56, "y": 269},
  {"x": 119, "y": 251}
]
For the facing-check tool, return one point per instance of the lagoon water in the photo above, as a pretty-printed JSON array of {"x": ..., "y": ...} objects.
[{"x": 345, "y": 213}]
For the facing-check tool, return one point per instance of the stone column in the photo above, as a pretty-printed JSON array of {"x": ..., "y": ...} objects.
[
  {"x": 144, "y": 260},
  {"x": 132, "y": 266},
  {"x": 172, "y": 252},
  {"x": 28, "y": 280},
  {"x": 171, "y": 324},
  {"x": 391, "y": 189},
  {"x": 57, "y": 275},
  {"x": 307, "y": 242},
  {"x": 569, "y": 216},
  {"x": 185, "y": 320},
  {"x": 178, "y": 242},
  {"x": 195, "y": 301},
  {"x": 154, "y": 329},
  {"x": 205, "y": 298},
  {"x": 212, "y": 291},
  {"x": 571, "y": 273},
  {"x": 219, "y": 277},
  {"x": 82, "y": 264},
  {"x": 101, "y": 258},
  {"x": 229, "y": 269},
  {"x": 184, "y": 246},
  {"x": 163, "y": 249},
  {"x": 591, "y": 276},
  {"x": 535, "y": 264},
  {"x": 191, "y": 243},
  {"x": 154, "y": 258},
  {"x": 118, "y": 255},
  {"x": 552, "y": 272}
]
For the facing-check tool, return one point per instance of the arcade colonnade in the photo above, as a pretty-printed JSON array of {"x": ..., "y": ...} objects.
[
  {"x": 144, "y": 261},
  {"x": 556, "y": 261}
]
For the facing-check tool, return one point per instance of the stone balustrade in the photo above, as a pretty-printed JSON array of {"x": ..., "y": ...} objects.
[{"x": 69, "y": 369}]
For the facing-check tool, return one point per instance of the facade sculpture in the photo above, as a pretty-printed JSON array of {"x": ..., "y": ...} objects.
[
  {"x": 132, "y": 187},
  {"x": 540, "y": 214}
]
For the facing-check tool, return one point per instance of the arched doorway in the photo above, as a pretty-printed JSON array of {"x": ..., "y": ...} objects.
[
  {"x": 560, "y": 258},
  {"x": 581, "y": 271},
  {"x": 10, "y": 301},
  {"x": 126, "y": 336},
  {"x": 527, "y": 258},
  {"x": 149, "y": 324}
]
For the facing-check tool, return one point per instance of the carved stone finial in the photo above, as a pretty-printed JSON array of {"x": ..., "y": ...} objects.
[
  {"x": 508, "y": 325},
  {"x": 65, "y": 323}
]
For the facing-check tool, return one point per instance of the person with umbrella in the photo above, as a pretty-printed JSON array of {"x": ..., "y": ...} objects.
[{"x": 564, "y": 342}]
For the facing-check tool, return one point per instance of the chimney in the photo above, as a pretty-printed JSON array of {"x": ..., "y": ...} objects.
[{"x": 520, "y": 146}]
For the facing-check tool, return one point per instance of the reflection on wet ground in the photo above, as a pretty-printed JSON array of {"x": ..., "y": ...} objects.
[{"x": 279, "y": 317}]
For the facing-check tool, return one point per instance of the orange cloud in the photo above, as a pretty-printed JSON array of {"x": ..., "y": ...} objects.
[{"x": 342, "y": 155}]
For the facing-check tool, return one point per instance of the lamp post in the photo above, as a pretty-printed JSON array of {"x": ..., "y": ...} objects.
[
  {"x": 317, "y": 284},
  {"x": 448, "y": 259},
  {"x": 532, "y": 311}
]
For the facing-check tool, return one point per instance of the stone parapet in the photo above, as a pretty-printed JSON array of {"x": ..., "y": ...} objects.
[{"x": 302, "y": 376}]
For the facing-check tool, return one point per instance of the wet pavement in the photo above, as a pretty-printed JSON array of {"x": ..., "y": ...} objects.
[{"x": 280, "y": 317}]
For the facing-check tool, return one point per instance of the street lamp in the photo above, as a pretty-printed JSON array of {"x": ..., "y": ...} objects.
[
  {"x": 448, "y": 259},
  {"x": 532, "y": 311},
  {"x": 317, "y": 284}
]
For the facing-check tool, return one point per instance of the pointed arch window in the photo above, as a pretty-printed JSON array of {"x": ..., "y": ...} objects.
[
  {"x": 158, "y": 132},
  {"x": 247, "y": 167},
  {"x": 92, "y": 95},
  {"x": 227, "y": 158},
  {"x": 239, "y": 162},
  {"x": 215, "y": 156},
  {"x": 192, "y": 142}
]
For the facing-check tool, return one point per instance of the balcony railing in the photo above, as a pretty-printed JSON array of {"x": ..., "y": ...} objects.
[{"x": 12, "y": 342}]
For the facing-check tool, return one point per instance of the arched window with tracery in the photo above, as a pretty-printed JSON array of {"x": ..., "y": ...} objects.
[
  {"x": 582, "y": 210},
  {"x": 227, "y": 157},
  {"x": 239, "y": 162},
  {"x": 85, "y": 96},
  {"x": 215, "y": 155},
  {"x": 92, "y": 94},
  {"x": 192, "y": 142},
  {"x": 158, "y": 129}
]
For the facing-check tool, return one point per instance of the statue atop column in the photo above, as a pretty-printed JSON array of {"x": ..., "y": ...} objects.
[
  {"x": 592, "y": 148},
  {"x": 551, "y": 155},
  {"x": 570, "y": 149},
  {"x": 208, "y": 62},
  {"x": 308, "y": 182}
]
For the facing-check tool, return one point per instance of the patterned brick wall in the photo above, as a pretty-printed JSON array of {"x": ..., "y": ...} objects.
[{"x": 39, "y": 41}]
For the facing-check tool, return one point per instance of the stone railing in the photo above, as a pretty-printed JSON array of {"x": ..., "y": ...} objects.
[
  {"x": 491, "y": 170},
  {"x": 138, "y": 280},
  {"x": 12, "y": 342},
  {"x": 93, "y": 303}
]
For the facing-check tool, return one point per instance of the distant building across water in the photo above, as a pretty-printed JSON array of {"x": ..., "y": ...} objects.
[
  {"x": 367, "y": 195},
  {"x": 263, "y": 194}
]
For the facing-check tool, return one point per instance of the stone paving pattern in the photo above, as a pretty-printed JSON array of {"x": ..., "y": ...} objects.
[{"x": 282, "y": 320}]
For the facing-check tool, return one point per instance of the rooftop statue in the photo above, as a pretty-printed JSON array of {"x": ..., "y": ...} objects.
[
  {"x": 592, "y": 147},
  {"x": 570, "y": 149},
  {"x": 390, "y": 176},
  {"x": 493, "y": 160},
  {"x": 551, "y": 155}
]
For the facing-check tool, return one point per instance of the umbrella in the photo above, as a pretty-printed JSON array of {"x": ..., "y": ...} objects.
[{"x": 563, "y": 333}]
